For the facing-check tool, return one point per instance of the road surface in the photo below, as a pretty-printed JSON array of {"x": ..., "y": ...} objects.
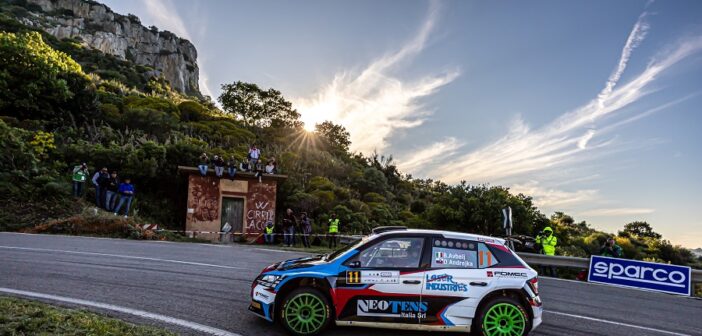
[{"x": 200, "y": 289}]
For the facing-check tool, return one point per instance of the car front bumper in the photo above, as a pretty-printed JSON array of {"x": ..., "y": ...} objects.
[{"x": 262, "y": 302}]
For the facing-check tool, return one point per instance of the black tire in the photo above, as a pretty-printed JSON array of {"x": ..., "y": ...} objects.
[
  {"x": 481, "y": 327},
  {"x": 302, "y": 309}
]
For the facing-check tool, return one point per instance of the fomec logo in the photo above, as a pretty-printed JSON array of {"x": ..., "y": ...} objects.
[{"x": 660, "y": 277}]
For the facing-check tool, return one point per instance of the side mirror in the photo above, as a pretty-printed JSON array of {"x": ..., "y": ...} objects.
[{"x": 355, "y": 264}]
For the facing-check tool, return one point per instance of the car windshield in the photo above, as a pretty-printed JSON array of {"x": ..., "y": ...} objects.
[{"x": 333, "y": 255}]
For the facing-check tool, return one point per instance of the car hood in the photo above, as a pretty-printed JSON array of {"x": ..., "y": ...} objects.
[{"x": 300, "y": 263}]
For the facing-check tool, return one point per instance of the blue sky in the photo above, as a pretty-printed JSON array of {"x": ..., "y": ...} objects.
[{"x": 591, "y": 107}]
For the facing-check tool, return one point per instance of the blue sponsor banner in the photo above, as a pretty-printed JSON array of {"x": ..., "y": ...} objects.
[{"x": 664, "y": 278}]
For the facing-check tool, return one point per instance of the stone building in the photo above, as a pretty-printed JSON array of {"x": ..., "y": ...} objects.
[{"x": 245, "y": 202}]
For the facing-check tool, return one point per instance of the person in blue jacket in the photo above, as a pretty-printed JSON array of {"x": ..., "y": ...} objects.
[{"x": 126, "y": 194}]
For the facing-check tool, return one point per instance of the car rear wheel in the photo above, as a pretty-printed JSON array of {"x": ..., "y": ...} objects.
[
  {"x": 305, "y": 311},
  {"x": 502, "y": 316}
]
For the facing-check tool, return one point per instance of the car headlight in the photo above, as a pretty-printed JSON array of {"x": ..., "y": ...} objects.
[{"x": 270, "y": 280}]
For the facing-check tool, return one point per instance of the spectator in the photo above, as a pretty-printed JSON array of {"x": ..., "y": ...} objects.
[
  {"x": 231, "y": 167},
  {"x": 268, "y": 237},
  {"x": 333, "y": 230},
  {"x": 254, "y": 155},
  {"x": 104, "y": 182},
  {"x": 289, "y": 228},
  {"x": 306, "y": 228},
  {"x": 203, "y": 164},
  {"x": 270, "y": 168},
  {"x": 112, "y": 189},
  {"x": 548, "y": 247},
  {"x": 218, "y": 165},
  {"x": 611, "y": 249},
  {"x": 80, "y": 174},
  {"x": 126, "y": 192},
  {"x": 259, "y": 171},
  {"x": 99, "y": 192},
  {"x": 244, "y": 166}
]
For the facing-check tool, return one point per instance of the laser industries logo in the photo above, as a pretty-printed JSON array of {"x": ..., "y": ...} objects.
[{"x": 444, "y": 282}]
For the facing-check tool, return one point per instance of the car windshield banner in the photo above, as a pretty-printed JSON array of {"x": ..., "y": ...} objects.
[{"x": 665, "y": 278}]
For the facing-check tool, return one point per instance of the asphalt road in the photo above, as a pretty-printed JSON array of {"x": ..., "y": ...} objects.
[{"x": 209, "y": 285}]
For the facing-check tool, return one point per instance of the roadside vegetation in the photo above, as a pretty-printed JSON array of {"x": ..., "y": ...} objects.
[
  {"x": 63, "y": 104},
  {"x": 24, "y": 317}
]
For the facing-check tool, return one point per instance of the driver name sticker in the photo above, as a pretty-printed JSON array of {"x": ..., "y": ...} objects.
[{"x": 453, "y": 258}]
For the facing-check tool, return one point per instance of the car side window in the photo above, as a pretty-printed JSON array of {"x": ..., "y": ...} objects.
[
  {"x": 453, "y": 253},
  {"x": 401, "y": 252},
  {"x": 485, "y": 257}
]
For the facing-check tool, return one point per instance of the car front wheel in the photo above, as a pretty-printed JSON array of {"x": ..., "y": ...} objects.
[
  {"x": 305, "y": 311},
  {"x": 502, "y": 316}
]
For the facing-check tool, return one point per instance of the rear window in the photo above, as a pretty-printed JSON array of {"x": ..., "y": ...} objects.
[
  {"x": 453, "y": 253},
  {"x": 485, "y": 257}
]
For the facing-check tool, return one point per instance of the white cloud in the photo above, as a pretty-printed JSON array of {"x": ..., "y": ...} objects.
[
  {"x": 166, "y": 17},
  {"x": 419, "y": 161},
  {"x": 565, "y": 141},
  {"x": 373, "y": 103},
  {"x": 545, "y": 197},
  {"x": 617, "y": 212}
]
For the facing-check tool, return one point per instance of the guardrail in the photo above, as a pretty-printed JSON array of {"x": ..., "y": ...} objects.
[{"x": 576, "y": 262}]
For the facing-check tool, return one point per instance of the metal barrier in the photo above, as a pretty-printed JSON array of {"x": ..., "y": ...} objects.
[{"x": 576, "y": 262}]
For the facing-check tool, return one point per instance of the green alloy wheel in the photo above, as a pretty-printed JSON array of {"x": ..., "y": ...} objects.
[
  {"x": 503, "y": 316},
  {"x": 305, "y": 312}
]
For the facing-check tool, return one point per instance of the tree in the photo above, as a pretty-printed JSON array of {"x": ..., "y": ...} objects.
[
  {"x": 336, "y": 135},
  {"x": 640, "y": 229},
  {"x": 36, "y": 81},
  {"x": 257, "y": 107}
]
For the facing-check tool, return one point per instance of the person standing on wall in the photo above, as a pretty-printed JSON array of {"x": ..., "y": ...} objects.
[
  {"x": 306, "y": 228},
  {"x": 289, "y": 228},
  {"x": 80, "y": 174},
  {"x": 548, "y": 242},
  {"x": 254, "y": 155},
  {"x": 126, "y": 194},
  {"x": 333, "y": 230}
]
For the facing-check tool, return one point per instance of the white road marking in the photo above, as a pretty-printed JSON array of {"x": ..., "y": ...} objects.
[
  {"x": 616, "y": 323},
  {"x": 120, "y": 256},
  {"x": 135, "y": 312}
]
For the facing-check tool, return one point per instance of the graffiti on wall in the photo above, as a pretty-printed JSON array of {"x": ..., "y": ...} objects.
[
  {"x": 260, "y": 206},
  {"x": 203, "y": 198}
]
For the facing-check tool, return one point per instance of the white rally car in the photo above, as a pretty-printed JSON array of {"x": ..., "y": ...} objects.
[{"x": 404, "y": 279}]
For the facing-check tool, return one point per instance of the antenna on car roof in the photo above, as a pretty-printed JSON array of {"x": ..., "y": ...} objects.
[{"x": 381, "y": 229}]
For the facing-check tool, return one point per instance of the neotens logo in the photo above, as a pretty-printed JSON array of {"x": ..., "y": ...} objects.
[
  {"x": 645, "y": 274},
  {"x": 392, "y": 308}
]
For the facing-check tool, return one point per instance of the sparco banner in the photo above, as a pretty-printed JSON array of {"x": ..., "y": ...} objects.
[{"x": 665, "y": 278}]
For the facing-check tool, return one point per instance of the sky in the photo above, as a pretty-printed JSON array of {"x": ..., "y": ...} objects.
[{"x": 590, "y": 107}]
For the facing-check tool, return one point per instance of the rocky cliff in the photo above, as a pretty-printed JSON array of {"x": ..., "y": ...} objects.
[{"x": 98, "y": 27}]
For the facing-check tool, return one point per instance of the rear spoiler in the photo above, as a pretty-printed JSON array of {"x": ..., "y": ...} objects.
[{"x": 382, "y": 229}]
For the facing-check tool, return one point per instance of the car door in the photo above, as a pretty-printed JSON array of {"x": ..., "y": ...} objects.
[
  {"x": 383, "y": 283},
  {"x": 454, "y": 280}
]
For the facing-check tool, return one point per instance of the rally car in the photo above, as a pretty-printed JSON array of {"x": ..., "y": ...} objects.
[{"x": 404, "y": 279}]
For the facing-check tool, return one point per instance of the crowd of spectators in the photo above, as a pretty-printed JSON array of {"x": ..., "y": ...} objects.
[
  {"x": 252, "y": 164},
  {"x": 301, "y": 226},
  {"x": 109, "y": 188}
]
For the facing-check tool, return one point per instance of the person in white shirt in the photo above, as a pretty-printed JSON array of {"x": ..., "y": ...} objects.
[{"x": 254, "y": 155}]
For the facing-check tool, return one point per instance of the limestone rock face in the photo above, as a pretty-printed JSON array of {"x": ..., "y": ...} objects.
[{"x": 123, "y": 36}]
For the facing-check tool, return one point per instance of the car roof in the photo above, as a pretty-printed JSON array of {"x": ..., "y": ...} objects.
[{"x": 446, "y": 234}]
